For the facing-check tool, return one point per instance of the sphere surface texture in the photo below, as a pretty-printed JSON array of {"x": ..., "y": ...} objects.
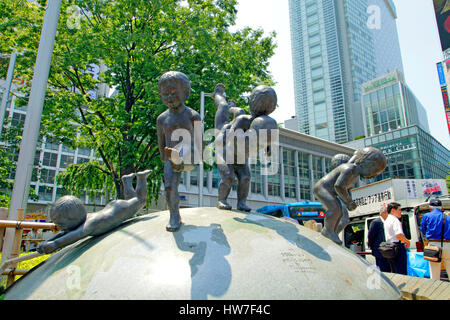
[{"x": 216, "y": 254}]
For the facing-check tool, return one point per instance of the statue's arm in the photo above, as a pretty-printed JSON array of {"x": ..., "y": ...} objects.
[
  {"x": 236, "y": 111},
  {"x": 66, "y": 239},
  {"x": 56, "y": 236},
  {"x": 219, "y": 96},
  {"x": 342, "y": 185},
  {"x": 161, "y": 139}
]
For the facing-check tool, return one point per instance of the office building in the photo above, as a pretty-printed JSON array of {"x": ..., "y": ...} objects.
[
  {"x": 388, "y": 103},
  {"x": 337, "y": 45},
  {"x": 412, "y": 153},
  {"x": 397, "y": 124}
]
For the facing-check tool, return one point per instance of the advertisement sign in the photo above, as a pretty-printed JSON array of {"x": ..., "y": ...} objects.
[
  {"x": 446, "y": 106},
  {"x": 446, "y": 67},
  {"x": 373, "y": 201},
  {"x": 411, "y": 189},
  {"x": 442, "y": 12},
  {"x": 431, "y": 188},
  {"x": 441, "y": 74}
]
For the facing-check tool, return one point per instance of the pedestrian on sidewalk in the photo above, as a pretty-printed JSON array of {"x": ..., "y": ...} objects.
[
  {"x": 433, "y": 229},
  {"x": 393, "y": 231},
  {"x": 376, "y": 236}
]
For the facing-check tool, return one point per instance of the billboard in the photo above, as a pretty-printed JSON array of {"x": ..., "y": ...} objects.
[
  {"x": 446, "y": 106},
  {"x": 442, "y": 12}
]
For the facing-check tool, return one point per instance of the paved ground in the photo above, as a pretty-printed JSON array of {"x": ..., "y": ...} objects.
[{"x": 414, "y": 288}]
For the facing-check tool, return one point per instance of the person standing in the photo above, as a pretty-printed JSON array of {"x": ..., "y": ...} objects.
[
  {"x": 431, "y": 228},
  {"x": 376, "y": 236},
  {"x": 393, "y": 231}
]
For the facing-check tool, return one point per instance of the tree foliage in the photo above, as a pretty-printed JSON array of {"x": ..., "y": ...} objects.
[{"x": 135, "y": 42}]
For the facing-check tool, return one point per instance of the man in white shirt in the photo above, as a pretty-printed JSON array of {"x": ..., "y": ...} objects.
[{"x": 393, "y": 231}]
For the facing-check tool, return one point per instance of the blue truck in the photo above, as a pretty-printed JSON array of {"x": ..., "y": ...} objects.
[{"x": 299, "y": 211}]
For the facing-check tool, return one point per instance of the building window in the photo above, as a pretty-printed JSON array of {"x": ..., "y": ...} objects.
[
  {"x": 273, "y": 183},
  {"x": 81, "y": 160},
  {"x": 18, "y": 119},
  {"x": 66, "y": 161},
  {"x": 215, "y": 178},
  {"x": 45, "y": 193},
  {"x": 289, "y": 174},
  {"x": 257, "y": 180},
  {"x": 84, "y": 151},
  {"x": 317, "y": 168},
  {"x": 48, "y": 176},
  {"x": 305, "y": 176},
  {"x": 194, "y": 177},
  {"x": 67, "y": 149},
  {"x": 49, "y": 159},
  {"x": 51, "y": 144}
]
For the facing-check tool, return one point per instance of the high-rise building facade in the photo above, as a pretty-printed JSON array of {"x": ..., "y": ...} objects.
[
  {"x": 397, "y": 124},
  {"x": 388, "y": 103},
  {"x": 337, "y": 45}
]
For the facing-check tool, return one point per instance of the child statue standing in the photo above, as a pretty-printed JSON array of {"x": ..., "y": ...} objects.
[{"x": 174, "y": 89}]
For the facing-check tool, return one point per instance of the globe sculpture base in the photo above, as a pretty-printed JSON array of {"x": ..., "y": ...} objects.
[{"x": 216, "y": 254}]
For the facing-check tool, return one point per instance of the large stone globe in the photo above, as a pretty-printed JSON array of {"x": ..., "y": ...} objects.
[{"x": 215, "y": 255}]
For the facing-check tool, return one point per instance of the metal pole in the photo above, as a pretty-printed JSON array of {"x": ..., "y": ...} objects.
[
  {"x": 200, "y": 185},
  {"x": 5, "y": 98},
  {"x": 20, "y": 192}
]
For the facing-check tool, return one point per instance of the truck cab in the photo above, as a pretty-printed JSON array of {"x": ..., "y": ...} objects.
[{"x": 301, "y": 212}]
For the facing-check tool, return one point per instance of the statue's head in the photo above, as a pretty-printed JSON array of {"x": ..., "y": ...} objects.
[
  {"x": 339, "y": 159},
  {"x": 68, "y": 212},
  {"x": 371, "y": 162},
  {"x": 263, "y": 101},
  {"x": 174, "y": 88}
]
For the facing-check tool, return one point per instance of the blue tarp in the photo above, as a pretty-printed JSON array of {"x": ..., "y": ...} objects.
[{"x": 417, "y": 265}]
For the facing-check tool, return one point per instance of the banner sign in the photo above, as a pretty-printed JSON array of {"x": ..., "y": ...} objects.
[
  {"x": 442, "y": 12},
  {"x": 441, "y": 74},
  {"x": 446, "y": 106}
]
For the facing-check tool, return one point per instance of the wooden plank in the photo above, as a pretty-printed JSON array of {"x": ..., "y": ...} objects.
[
  {"x": 15, "y": 272},
  {"x": 24, "y": 258},
  {"x": 3, "y": 216}
]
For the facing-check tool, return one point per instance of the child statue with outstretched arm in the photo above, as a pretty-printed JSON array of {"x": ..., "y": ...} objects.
[{"x": 179, "y": 138}]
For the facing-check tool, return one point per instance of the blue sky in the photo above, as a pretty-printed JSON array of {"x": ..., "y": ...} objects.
[{"x": 419, "y": 43}]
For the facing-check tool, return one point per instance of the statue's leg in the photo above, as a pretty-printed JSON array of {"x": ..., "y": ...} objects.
[
  {"x": 345, "y": 218},
  {"x": 333, "y": 215},
  {"x": 128, "y": 189},
  {"x": 171, "y": 182},
  {"x": 227, "y": 175},
  {"x": 243, "y": 175},
  {"x": 141, "y": 187}
]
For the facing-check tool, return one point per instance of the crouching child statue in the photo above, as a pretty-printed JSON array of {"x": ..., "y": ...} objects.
[{"x": 333, "y": 189}]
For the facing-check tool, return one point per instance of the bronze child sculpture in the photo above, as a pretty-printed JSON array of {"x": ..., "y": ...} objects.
[
  {"x": 70, "y": 215},
  {"x": 263, "y": 101},
  {"x": 333, "y": 189},
  {"x": 174, "y": 89}
]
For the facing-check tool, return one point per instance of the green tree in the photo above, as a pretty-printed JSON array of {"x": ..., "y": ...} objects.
[{"x": 136, "y": 42}]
